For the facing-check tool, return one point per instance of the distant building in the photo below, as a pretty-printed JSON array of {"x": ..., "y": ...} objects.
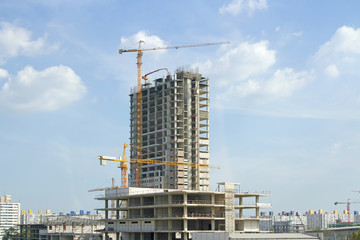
[
  {"x": 9, "y": 214},
  {"x": 288, "y": 222},
  {"x": 61, "y": 227}
]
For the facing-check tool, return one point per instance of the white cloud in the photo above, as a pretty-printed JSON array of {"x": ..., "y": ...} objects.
[
  {"x": 345, "y": 41},
  {"x": 150, "y": 41},
  {"x": 285, "y": 82},
  {"x": 282, "y": 84},
  {"x": 238, "y": 6},
  {"x": 239, "y": 63},
  {"x": 16, "y": 40},
  {"x": 298, "y": 34},
  {"x": 46, "y": 90},
  {"x": 3, "y": 73},
  {"x": 332, "y": 71}
]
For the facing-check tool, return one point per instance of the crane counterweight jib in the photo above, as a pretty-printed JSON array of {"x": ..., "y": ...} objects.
[{"x": 121, "y": 51}]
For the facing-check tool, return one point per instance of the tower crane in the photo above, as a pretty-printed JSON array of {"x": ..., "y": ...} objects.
[
  {"x": 347, "y": 207},
  {"x": 139, "y": 52},
  {"x": 123, "y": 167}
]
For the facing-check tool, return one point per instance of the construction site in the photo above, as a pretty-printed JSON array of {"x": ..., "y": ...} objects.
[{"x": 165, "y": 190}]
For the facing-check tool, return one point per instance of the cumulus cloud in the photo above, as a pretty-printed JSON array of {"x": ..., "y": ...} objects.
[
  {"x": 47, "y": 90},
  {"x": 340, "y": 56},
  {"x": 341, "y": 53},
  {"x": 16, "y": 41},
  {"x": 150, "y": 41},
  {"x": 345, "y": 40},
  {"x": 239, "y": 6},
  {"x": 282, "y": 84},
  {"x": 239, "y": 63}
]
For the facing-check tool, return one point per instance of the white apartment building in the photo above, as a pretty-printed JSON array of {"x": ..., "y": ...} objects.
[{"x": 9, "y": 214}]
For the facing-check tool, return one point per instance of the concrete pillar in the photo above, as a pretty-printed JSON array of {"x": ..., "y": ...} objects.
[
  {"x": 185, "y": 224},
  {"x": 185, "y": 198},
  {"x": 257, "y": 208},
  {"x": 212, "y": 224},
  {"x": 117, "y": 236},
  {"x": 117, "y": 210},
  {"x": 106, "y": 209},
  {"x": 141, "y": 236},
  {"x": 141, "y": 209},
  {"x": 212, "y": 199},
  {"x": 170, "y": 211},
  {"x": 170, "y": 199}
]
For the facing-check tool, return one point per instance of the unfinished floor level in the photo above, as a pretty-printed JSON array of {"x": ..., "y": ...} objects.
[
  {"x": 176, "y": 214},
  {"x": 174, "y": 127}
]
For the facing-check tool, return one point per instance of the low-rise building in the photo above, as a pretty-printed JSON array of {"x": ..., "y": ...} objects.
[
  {"x": 61, "y": 227},
  {"x": 147, "y": 213}
]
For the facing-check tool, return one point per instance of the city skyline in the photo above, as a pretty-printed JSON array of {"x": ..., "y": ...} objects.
[{"x": 284, "y": 94}]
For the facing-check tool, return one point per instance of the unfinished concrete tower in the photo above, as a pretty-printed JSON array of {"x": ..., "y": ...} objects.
[{"x": 175, "y": 127}]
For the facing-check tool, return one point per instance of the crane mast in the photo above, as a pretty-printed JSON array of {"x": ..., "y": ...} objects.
[
  {"x": 347, "y": 207},
  {"x": 139, "y": 52}
]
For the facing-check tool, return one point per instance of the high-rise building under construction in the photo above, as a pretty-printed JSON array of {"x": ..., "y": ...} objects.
[{"x": 174, "y": 127}]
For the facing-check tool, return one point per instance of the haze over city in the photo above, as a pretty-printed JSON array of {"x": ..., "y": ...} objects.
[{"x": 285, "y": 95}]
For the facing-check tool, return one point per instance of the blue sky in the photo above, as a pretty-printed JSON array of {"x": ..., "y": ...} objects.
[{"x": 285, "y": 94}]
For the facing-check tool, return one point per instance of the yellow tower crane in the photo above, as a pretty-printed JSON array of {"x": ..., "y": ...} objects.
[
  {"x": 139, "y": 52},
  {"x": 123, "y": 164}
]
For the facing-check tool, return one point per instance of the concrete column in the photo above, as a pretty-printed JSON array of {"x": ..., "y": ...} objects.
[
  {"x": 257, "y": 208},
  {"x": 185, "y": 198},
  {"x": 117, "y": 210},
  {"x": 185, "y": 224},
  {"x": 170, "y": 224},
  {"x": 169, "y": 236},
  {"x": 106, "y": 209},
  {"x": 141, "y": 236},
  {"x": 170, "y": 199},
  {"x": 170, "y": 211},
  {"x": 212, "y": 212},
  {"x": 117, "y": 236}
]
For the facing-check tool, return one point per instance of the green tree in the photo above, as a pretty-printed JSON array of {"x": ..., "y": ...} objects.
[
  {"x": 11, "y": 234},
  {"x": 355, "y": 236}
]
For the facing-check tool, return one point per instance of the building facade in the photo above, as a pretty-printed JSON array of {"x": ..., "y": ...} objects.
[
  {"x": 9, "y": 214},
  {"x": 61, "y": 227},
  {"x": 174, "y": 127},
  {"x": 176, "y": 214}
]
